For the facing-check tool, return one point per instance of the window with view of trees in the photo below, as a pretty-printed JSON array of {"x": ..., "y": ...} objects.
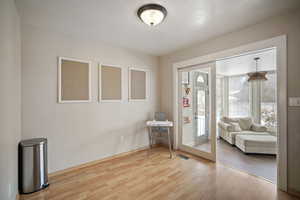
[
  {"x": 239, "y": 100},
  {"x": 219, "y": 95},
  {"x": 268, "y": 101},
  {"x": 260, "y": 103}
]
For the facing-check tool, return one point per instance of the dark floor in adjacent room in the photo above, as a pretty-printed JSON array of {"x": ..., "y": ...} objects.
[{"x": 256, "y": 164}]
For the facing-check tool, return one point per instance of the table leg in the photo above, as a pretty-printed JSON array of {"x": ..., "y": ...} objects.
[
  {"x": 169, "y": 139},
  {"x": 150, "y": 139}
]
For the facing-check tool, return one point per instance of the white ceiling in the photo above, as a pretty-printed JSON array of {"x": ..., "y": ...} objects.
[
  {"x": 115, "y": 22},
  {"x": 245, "y": 63}
]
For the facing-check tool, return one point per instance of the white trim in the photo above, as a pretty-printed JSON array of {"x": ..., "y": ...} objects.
[
  {"x": 282, "y": 112},
  {"x": 147, "y": 84},
  {"x": 280, "y": 44},
  {"x": 212, "y": 117},
  {"x": 213, "y": 111},
  {"x": 59, "y": 80},
  {"x": 100, "y": 83}
]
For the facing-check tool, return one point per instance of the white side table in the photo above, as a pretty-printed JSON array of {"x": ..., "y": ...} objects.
[{"x": 160, "y": 124}]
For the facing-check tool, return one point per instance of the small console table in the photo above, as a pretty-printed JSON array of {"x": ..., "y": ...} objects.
[{"x": 160, "y": 124}]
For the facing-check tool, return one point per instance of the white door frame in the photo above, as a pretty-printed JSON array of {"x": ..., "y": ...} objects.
[
  {"x": 210, "y": 155},
  {"x": 280, "y": 43}
]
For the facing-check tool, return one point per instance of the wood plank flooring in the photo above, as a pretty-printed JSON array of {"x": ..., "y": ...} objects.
[{"x": 156, "y": 177}]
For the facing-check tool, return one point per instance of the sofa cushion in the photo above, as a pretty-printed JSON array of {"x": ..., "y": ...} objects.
[
  {"x": 235, "y": 127},
  {"x": 224, "y": 125},
  {"x": 258, "y": 128},
  {"x": 257, "y": 140},
  {"x": 233, "y": 134},
  {"x": 231, "y": 127},
  {"x": 245, "y": 123},
  {"x": 229, "y": 119}
]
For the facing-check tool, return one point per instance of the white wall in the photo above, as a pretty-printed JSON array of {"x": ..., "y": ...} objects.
[
  {"x": 286, "y": 24},
  {"x": 10, "y": 101},
  {"x": 80, "y": 132}
]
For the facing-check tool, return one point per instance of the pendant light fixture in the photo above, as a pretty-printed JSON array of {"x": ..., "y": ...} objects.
[
  {"x": 152, "y": 14},
  {"x": 257, "y": 75}
]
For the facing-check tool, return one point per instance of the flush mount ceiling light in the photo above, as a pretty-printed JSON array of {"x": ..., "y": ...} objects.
[
  {"x": 257, "y": 75},
  {"x": 152, "y": 14}
]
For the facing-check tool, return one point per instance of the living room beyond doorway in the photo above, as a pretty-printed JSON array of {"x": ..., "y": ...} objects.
[{"x": 246, "y": 110}]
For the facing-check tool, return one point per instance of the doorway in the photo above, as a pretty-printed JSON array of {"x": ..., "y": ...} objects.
[
  {"x": 280, "y": 44},
  {"x": 252, "y": 150}
]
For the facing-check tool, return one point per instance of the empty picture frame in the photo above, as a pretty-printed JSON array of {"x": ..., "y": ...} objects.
[
  {"x": 74, "y": 80},
  {"x": 110, "y": 83},
  {"x": 138, "y": 84}
]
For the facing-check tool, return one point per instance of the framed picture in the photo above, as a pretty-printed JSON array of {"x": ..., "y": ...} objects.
[
  {"x": 185, "y": 78},
  {"x": 138, "y": 84},
  {"x": 110, "y": 83},
  {"x": 74, "y": 80},
  {"x": 185, "y": 102}
]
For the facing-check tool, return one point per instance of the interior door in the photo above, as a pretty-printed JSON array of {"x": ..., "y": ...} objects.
[{"x": 197, "y": 118}]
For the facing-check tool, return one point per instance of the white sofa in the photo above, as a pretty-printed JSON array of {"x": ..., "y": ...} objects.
[
  {"x": 247, "y": 136},
  {"x": 229, "y": 128}
]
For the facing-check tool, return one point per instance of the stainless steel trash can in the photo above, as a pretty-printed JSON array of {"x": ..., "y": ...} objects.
[{"x": 33, "y": 170}]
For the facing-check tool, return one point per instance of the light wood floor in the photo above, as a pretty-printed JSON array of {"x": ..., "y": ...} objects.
[{"x": 156, "y": 177}]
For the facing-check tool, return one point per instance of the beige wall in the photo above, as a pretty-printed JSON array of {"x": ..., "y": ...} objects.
[
  {"x": 80, "y": 132},
  {"x": 286, "y": 24},
  {"x": 10, "y": 101}
]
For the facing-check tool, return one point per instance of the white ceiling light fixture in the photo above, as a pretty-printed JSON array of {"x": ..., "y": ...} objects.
[
  {"x": 257, "y": 75},
  {"x": 152, "y": 14}
]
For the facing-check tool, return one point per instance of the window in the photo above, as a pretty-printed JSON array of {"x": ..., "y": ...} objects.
[
  {"x": 201, "y": 104},
  {"x": 261, "y": 105},
  {"x": 200, "y": 79},
  {"x": 239, "y": 104},
  {"x": 268, "y": 101},
  {"x": 219, "y": 96}
]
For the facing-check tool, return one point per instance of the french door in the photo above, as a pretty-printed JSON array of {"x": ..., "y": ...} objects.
[{"x": 197, "y": 118}]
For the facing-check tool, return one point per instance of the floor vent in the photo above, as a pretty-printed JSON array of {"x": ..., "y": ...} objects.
[{"x": 183, "y": 156}]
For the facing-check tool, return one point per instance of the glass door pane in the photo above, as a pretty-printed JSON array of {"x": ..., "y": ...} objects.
[
  {"x": 197, "y": 110},
  {"x": 201, "y": 113}
]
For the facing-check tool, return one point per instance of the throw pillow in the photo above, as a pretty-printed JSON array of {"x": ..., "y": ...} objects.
[
  {"x": 245, "y": 123},
  {"x": 229, "y": 120},
  {"x": 235, "y": 127},
  {"x": 258, "y": 128}
]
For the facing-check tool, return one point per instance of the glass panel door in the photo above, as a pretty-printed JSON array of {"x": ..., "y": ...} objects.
[
  {"x": 201, "y": 107},
  {"x": 197, "y": 132}
]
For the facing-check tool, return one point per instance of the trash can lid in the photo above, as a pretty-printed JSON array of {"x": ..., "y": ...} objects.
[{"x": 33, "y": 142}]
